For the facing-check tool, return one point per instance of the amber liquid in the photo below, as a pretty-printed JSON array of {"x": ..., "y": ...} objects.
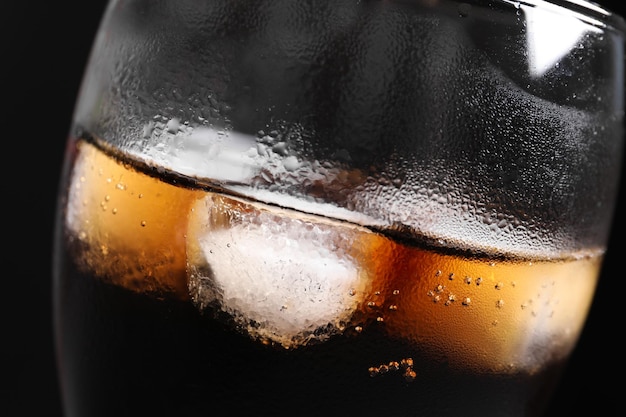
[{"x": 173, "y": 299}]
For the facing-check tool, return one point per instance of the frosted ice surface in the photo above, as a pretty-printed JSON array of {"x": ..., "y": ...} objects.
[
  {"x": 205, "y": 152},
  {"x": 287, "y": 279}
]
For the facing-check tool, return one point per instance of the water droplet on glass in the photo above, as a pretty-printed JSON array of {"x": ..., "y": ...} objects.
[{"x": 464, "y": 9}]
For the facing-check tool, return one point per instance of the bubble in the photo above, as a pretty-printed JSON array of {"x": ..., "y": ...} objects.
[
  {"x": 410, "y": 375},
  {"x": 407, "y": 362}
]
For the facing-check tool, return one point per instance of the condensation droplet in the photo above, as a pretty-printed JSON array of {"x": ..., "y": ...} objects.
[
  {"x": 436, "y": 299},
  {"x": 371, "y": 304},
  {"x": 499, "y": 286},
  {"x": 468, "y": 280},
  {"x": 380, "y": 319},
  {"x": 464, "y": 9},
  {"x": 451, "y": 276},
  {"x": 358, "y": 329},
  {"x": 394, "y": 366},
  {"x": 393, "y": 307},
  {"x": 438, "y": 273},
  {"x": 173, "y": 125},
  {"x": 114, "y": 211},
  {"x": 479, "y": 281},
  {"x": 143, "y": 223},
  {"x": 291, "y": 163},
  {"x": 439, "y": 288},
  {"x": 396, "y": 292},
  {"x": 467, "y": 301},
  {"x": 500, "y": 303}
]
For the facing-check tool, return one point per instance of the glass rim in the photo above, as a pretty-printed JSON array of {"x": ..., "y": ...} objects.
[{"x": 587, "y": 11}]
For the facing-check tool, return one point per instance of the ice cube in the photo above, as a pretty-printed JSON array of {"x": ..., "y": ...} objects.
[{"x": 284, "y": 277}]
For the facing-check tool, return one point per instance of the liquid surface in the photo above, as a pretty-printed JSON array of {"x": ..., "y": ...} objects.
[{"x": 173, "y": 297}]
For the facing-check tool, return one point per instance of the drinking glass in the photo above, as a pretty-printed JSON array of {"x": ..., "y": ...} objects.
[{"x": 344, "y": 207}]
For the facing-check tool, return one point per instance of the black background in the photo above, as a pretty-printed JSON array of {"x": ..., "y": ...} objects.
[{"x": 45, "y": 48}]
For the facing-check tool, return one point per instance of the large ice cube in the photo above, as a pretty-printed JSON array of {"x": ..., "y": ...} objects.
[{"x": 284, "y": 277}]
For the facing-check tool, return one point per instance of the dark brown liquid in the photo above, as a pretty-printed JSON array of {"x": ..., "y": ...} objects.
[{"x": 430, "y": 334}]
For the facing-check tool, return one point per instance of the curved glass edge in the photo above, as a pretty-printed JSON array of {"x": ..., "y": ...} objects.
[{"x": 586, "y": 11}]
